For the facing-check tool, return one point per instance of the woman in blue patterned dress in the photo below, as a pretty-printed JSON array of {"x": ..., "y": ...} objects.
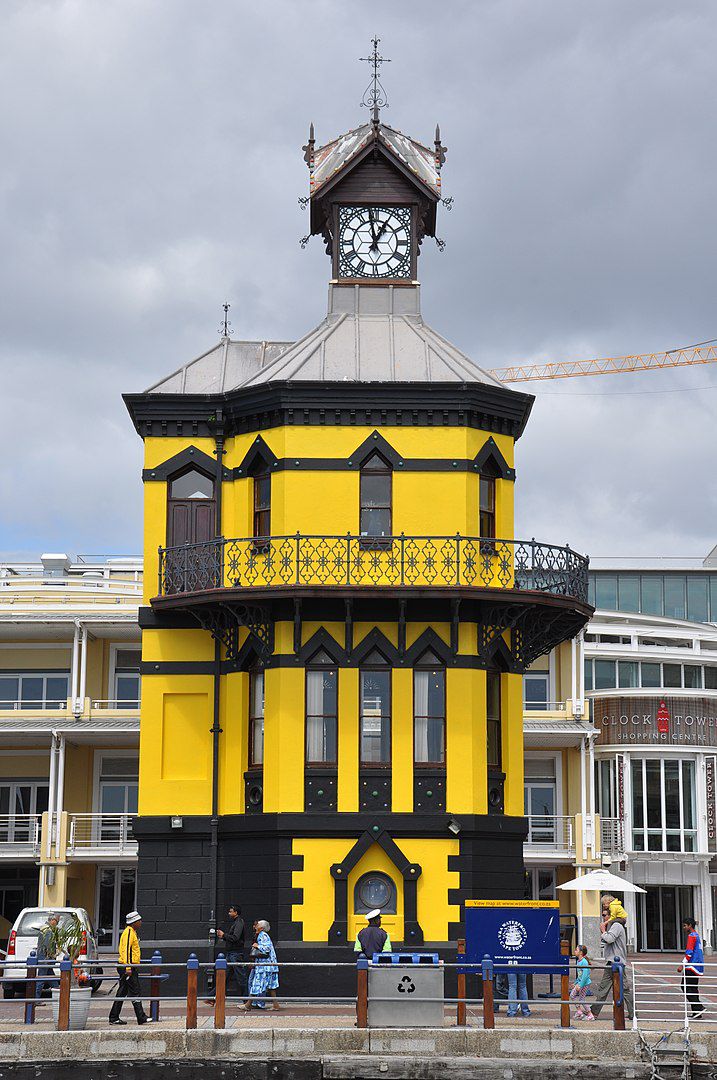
[{"x": 264, "y": 977}]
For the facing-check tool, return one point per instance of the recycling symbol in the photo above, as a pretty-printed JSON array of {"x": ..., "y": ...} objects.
[{"x": 406, "y": 985}]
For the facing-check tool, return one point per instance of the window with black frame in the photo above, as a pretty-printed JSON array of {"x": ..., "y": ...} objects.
[
  {"x": 487, "y": 506},
  {"x": 375, "y": 517},
  {"x": 262, "y": 505},
  {"x": 493, "y": 717},
  {"x": 375, "y": 709},
  {"x": 256, "y": 718},
  {"x": 321, "y": 715},
  {"x": 429, "y": 713}
]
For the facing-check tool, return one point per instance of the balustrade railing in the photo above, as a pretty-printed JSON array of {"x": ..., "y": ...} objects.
[
  {"x": 392, "y": 561},
  {"x": 19, "y": 835},
  {"x": 101, "y": 834},
  {"x": 550, "y": 831},
  {"x": 612, "y": 835}
]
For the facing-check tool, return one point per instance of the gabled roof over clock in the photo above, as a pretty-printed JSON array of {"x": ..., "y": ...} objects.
[
  {"x": 373, "y": 163},
  {"x": 330, "y": 160}
]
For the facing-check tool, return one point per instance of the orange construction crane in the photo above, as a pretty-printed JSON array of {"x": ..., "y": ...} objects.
[{"x": 703, "y": 353}]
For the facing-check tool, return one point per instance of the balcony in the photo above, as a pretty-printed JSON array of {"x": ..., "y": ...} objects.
[
  {"x": 550, "y": 836},
  {"x": 612, "y": 836},
  {"x": 96, "y": 836},
  {"x": 20, "y": 836},
  {"x": 365, "y": 562}
]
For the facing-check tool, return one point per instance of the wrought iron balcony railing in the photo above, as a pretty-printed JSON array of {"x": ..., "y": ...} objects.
[{"x": 360, "y": 561}]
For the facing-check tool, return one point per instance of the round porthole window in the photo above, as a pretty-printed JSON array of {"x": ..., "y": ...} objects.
[{"x": 375, "y": 890}]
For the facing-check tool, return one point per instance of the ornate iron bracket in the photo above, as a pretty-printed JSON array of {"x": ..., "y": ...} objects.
[{"x": 223, "y": 621}]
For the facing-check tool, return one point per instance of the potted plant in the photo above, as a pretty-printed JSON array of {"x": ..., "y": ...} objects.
[{"x": 69, "y": 939}]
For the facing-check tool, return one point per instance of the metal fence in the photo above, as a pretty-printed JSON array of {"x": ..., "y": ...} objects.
[
  {"x": 392, "y": 561},
  {"x": 67, "y": 975},
  {"x": 667, "y": 997}
]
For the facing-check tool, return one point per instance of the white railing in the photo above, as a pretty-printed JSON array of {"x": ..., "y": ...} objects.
[
  {"x": 20, "y": 835},
  {"x": 544, "y": 706},
  {"x": 33, "y": 705},
  {"x": 93, "y": 835},
  {"x": 550, "y": 833},
  {"x": 612, "y": 836},
  {"x": 99, "y": 705},
  {"x": 662, "y": 999}
]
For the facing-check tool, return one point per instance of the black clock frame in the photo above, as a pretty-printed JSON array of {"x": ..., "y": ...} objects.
[
  {"x": 401, "y": 210},
  {"x": 392, "y": 204}
]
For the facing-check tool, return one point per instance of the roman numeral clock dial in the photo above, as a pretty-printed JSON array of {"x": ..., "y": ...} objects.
[{"x": 375, "y": 242}]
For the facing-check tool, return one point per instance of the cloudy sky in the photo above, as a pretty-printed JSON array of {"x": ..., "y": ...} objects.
[{"x": 151, "y": 167}]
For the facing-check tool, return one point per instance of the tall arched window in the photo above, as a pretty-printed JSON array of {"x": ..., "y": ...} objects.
[
  {"x": 190, "y": 508},
  {"x": 256, "y": 718},
  {"x": 262, "y": 504},
  {"x": 375, "y": 518},
  {"x": 375, "y": 710},
  {"x": 429, "y": 711},
  {"x": 321, "y": 711}
]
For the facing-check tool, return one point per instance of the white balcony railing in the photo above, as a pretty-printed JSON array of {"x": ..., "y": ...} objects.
[
  {"x": 548, "y": 833},
  {"x": 95, "y": 835},
  {"x": 544, "y": 706},
  {"x": 113, "y": 704},
  {"x": 20, "y": 835},
  {"x": 612, "y": 836},
  {"x": 33, "y": 705}
]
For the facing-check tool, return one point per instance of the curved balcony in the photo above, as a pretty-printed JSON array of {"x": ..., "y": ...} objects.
[{"x": 358, "y": 562}]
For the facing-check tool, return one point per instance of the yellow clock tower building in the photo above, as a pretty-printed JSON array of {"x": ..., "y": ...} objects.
[{"x": 337, "y": 614}]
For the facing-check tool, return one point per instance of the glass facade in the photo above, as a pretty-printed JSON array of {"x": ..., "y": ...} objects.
[
  {"x": 691, "y": 596},
  {"x": 663, "y": 805},
  {"x": 631, "y": 674}
]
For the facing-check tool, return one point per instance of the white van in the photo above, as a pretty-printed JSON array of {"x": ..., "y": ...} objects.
[{"x": 23, "y": 939}]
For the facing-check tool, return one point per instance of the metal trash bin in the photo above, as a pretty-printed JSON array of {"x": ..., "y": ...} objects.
[{"x": 405, "y": 990}]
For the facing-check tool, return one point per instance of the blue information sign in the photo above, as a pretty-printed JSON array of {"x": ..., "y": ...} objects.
[{"x": 524, "y": 932}]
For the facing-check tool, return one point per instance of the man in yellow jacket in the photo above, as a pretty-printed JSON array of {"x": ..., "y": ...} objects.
[{"x": 129, "y": 959}]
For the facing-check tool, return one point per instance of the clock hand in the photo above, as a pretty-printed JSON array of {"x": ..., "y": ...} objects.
[
  {"x": 378, "y": 235},
  {"x": 373, "y": 228}
]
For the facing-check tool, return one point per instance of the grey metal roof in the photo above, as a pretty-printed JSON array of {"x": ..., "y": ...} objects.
[
  {"x": 332, "y": 157},
  {"x": 223, "y": 367},
  {"x": 371, "y": 333}
]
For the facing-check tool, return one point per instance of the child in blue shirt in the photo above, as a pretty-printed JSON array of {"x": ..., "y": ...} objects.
[{"x": 581, "y": 986}]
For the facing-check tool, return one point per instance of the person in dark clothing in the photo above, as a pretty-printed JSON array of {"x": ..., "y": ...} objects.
[
  {"x": 232, "y": 938},
  {"x": 372, "y": 938}
]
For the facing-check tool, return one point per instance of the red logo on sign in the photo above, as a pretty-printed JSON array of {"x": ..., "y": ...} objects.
[{"x": 663, "y": 719}]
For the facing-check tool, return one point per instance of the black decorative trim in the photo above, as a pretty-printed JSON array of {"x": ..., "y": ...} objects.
[
  {"x": 429, "y": 640},
  {"x": 374, "y": 444},
  {"x": 281, "y": 404},
  {"x": 176, "y": 667},
  {"x": 375, "y": 640},
  {"x": 320, "y": 790},
  {"x": 489, "y": 459},
  {"x": 254, "y": 791},
  {"x": 377, "y": 832},
  {"x": 257, "y": 458},
  {"x": 375, "y": 791},
  {"x": 190, "y": 456},
  {"x": 429, "y": 790},
  {"x": 341, "y": 824}
]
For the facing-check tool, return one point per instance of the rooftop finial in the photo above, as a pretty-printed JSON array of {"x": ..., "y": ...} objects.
[
  {"x": 226, "y": 328},
  {"x": 374, "y": 95}
]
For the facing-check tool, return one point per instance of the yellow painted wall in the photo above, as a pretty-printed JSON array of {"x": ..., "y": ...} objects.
[
  {"x": 511, "y": 687},
  {"x": 175, "y": 744},
  {"x": 284, "y": 740},
  {"x": 466, "y": 742},
  {"x": 348, "y": 780},
  {"x": 25, "y": 765},
  {"x": 316, "y": 912},
  {"x": 402, "y": 741},
  {"x": 35, "y": 659}
]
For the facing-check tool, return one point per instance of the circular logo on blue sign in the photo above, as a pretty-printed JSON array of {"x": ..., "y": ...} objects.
[{"x": 512, "y": 934}]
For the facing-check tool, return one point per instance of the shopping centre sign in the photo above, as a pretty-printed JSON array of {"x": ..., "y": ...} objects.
[{"x": 672, "y": 721}]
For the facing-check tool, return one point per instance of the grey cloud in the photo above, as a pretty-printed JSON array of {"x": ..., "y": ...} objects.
[{"x": 151, "y": 168}]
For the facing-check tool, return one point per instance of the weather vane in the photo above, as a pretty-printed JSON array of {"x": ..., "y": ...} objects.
[
  {"x": 374, "y": 95},
  {"x": 225, "y": 329}
]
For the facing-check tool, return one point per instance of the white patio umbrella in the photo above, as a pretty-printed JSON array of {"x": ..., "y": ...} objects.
[{"x": 600, "y": 881}]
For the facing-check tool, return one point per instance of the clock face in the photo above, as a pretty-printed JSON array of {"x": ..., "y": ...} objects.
[{"x": 374, "y": 241}]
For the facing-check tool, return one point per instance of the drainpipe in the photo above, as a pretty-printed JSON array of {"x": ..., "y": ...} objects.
[
  {"x": 51, "y": 795},
  {"x": 214, "y": 823},
  {"x": 216, "y": 729},
  {"x": 59, "y": 797},
  {"x": 80, "y": 703},
  {"x": 76, "y": 663}
]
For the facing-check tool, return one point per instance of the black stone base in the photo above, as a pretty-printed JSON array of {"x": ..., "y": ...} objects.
[{"x": 255, "y": 870}]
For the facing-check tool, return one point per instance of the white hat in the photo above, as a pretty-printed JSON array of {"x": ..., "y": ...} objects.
[
  {"x": 133, "y": 917},
  {"x": 372, "y": 914}
]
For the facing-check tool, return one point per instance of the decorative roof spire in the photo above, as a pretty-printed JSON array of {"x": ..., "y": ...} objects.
[
  {"x": 226, "y": 328},
  {"x": 374, "y": 95}
]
